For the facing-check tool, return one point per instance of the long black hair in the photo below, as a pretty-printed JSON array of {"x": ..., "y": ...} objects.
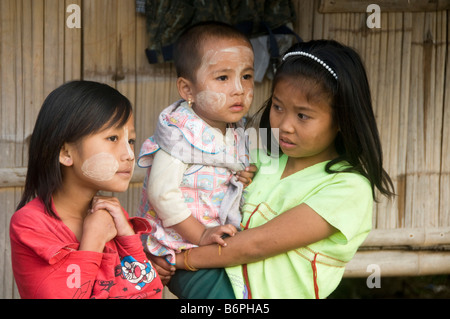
[
  {"x": 72, "y": 111},
  {"x": 357, "y": 141}
]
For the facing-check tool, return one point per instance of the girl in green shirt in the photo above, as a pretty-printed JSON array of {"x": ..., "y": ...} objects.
[{"x": 310, "y": 208}]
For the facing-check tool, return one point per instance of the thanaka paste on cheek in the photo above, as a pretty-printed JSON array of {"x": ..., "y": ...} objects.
[
  {"x": 249, "y": 97},
  {"x": 100, "y": 167},
  {"x": 214, "y": 100}
]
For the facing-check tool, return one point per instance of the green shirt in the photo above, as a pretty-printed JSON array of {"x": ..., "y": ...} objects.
[{"x": 343, "y": 199}]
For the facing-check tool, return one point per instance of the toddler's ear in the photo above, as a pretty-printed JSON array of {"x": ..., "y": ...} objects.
[
  {"x": 64, "y": 156},
  {"x": 184, "y": 89}
]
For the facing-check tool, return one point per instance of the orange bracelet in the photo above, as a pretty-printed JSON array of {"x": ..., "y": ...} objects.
[{"x": 186, "y": 263}]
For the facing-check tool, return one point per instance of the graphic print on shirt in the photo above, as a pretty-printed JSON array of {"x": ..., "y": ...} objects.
[
  {"x": 82, "y": 290},
  {"x": 137, "y": 273}
]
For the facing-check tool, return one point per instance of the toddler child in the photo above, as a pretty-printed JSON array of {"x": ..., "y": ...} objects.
[{"x": 191, "y": 195}]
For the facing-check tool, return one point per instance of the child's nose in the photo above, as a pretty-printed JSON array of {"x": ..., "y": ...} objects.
[{"x": 238, "y": 88}]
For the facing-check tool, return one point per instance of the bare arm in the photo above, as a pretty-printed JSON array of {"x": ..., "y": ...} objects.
[
  {"x": 297, "y": 227},
  {"x": 195, "y": 232}
]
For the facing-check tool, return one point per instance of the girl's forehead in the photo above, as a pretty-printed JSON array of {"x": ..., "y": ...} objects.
[
  {"x": 119, "y": 124},
  {"x": 311, "y": 89}
]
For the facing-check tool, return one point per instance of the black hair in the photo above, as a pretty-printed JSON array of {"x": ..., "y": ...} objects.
[
  {"x": 357, "y": 141},
  {"x": 70, "y": 112},
  {"x": 188, "y": 49}
]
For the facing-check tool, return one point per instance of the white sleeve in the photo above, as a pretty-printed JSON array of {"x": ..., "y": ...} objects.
[{"x": 163, "y": 189}]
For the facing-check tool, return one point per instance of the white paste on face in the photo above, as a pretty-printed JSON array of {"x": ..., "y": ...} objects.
[
  {"x": 234, "y": 54},
  {"x": 214, "y": 100},
  {"x": 248, "y": 97},
  {"x": 129, "y": 150},
  {"x": 100, "y": 167},
  {"x": 126, "y": 138}
]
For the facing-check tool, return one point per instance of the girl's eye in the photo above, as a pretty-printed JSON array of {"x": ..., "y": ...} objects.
[
  {"x": 276, "y": 107},
  {"x": 303, "y": 116},
  {"x": 131, "y": 141},
  {"x": 113, "y": 138},
  {"x": 222, "y": 78},
  {"x": 247, "y": 77}
]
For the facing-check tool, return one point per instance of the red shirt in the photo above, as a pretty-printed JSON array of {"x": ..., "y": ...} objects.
[{"x": 47, "y": 264}]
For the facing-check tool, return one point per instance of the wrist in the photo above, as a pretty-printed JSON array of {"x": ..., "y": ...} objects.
[
  {"x": 202, "y": 235},
  {"x": 126, "y": 231},
  {"x": 186, "y": 261},
  {"x": 92, "y": 244}
]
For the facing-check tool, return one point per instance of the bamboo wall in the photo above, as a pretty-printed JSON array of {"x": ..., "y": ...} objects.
[{"x": 408, "y": 63}]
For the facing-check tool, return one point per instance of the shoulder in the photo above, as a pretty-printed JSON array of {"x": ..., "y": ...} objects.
[
  {"x": 340, "y": 186},
  {"x": 29, "y": 212},
  {"x": 32, "y": 217},
  {"x": 166, "y": 166},
  {"x": 345, "y": 201},
  {"x": 351, "y": 180}
]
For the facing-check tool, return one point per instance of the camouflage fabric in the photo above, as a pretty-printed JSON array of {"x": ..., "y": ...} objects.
[{"x": 166, "y": 19}]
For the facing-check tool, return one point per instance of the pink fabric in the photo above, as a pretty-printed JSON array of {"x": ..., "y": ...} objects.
[{"x": 203, "y": 186}]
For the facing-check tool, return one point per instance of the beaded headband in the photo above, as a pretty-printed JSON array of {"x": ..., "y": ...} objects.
[{"x": 313, "y": 57}]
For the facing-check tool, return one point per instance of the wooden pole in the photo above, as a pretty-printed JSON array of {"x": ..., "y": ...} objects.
[{"x": 398, "y": 263}]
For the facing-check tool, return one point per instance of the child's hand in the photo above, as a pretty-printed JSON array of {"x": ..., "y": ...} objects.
[
  {"x": 162, "y": 267},
  {"x": 112, "y": 205},
  {"x": 246, "y": 176},
  {"x": 214, "y": 235}
]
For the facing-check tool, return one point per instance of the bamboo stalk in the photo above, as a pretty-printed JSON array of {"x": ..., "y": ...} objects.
[
  {"x": 72, "y": 48},
  {"x": 413, "y": 237},
  {"x": 54, "y": 26},
  {"x": 15, "y": 177},
  {"x": 398, "y": 263},
  {"x": 444, "y": 181}
]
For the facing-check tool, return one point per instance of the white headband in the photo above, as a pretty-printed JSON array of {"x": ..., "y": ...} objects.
[{"x": 313, "y": 57}]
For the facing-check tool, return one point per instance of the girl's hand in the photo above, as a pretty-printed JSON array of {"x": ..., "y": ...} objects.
[
  {"x": 112, "y": 206},
  {"x": 246, "y": 176},
  {"x": 98, "y": 229},
  {"x": 215, "y": 235}
]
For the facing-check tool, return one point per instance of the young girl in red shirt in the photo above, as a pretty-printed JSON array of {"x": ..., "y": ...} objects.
[{"x": 66, "y": 241}]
